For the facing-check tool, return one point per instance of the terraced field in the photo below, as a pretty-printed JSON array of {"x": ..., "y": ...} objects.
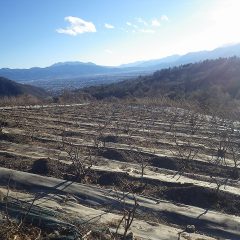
[{"x": 81, "y": 169}]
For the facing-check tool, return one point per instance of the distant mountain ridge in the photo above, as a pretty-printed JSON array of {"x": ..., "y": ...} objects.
[
  {"x": 153, "y": 62},
  {"x": 192, "y": 57},
  {"x": 58, "y": 70},
  {"x": 59, "y": 64},
  {"x": 78, "y": 74}
]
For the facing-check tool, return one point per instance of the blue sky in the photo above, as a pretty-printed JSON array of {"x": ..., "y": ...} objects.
[{"x": 111, "y": 32}]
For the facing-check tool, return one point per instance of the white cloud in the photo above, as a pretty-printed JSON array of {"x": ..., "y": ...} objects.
[
  {"x": 109, "y": 26},
  {"x": 146, "y": 31},
  {"x": 164, "y": 18},
  {"x": 108, "y": 51},
  {"x": 142, "y": 26},
  {"x": 142, "y": 21},
  {"x": 155, "y": 23},
  {"x": 77, "y": 26},
  {"x": 132, "y": 25}
]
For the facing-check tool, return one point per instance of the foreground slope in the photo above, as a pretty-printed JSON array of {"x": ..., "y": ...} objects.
[{"x": 37, "y": 152}]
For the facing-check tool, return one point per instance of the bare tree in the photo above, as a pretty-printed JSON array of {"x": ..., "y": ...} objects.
[
  {"x": 3, "y": 123},
  {"x": 234, "y": 151},
  {"x": 225, "y": 148},
  {"x": 10, "y": 228},
  {"x": 231, "y": 146},
  {"x": 81, "y": 158},
  {"x": 128, "y": 210},
  {"x": 135, "y": 155},
  {"x": 128, "y": 217},
  {"x": 184, "y": 125}
]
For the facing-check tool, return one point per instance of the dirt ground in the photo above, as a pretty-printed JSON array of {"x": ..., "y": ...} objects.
[{"x": 168, "y": 159}]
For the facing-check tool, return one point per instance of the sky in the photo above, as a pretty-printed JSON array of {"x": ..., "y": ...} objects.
[{"x": 111, "y": 32}]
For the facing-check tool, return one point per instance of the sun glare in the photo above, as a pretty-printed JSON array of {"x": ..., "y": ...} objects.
[{"x": 226, "y": 19}]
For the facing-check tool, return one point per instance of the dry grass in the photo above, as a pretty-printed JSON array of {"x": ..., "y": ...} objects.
[
  {"x": 10, "y": 230},
  {"x": 113, "y": 223}
]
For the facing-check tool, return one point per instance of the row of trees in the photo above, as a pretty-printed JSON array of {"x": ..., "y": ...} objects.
[
  {"x": 189, "y": 134},
  {"x": 185, "y": 130}
]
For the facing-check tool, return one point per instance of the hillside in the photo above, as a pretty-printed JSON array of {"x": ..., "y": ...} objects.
[
  {"x": 205, "y": 81},
  {"x": 11, "y": 88}
]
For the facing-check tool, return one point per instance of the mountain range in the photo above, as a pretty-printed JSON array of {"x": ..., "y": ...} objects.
[
  {"x": 192, "y": 57},
  {"x": 79, "y": 74}
]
